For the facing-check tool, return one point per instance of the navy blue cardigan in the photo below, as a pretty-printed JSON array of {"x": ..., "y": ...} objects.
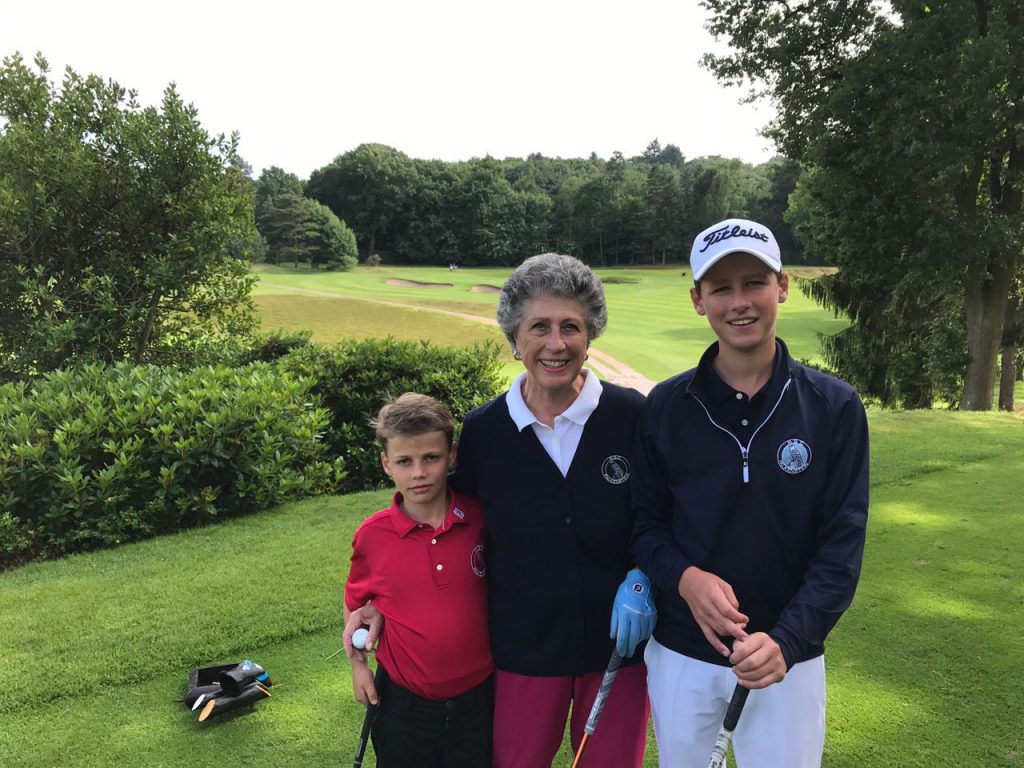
[{"x": 557, "y": 546}]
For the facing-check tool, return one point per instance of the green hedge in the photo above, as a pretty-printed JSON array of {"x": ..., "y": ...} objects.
[
  {"x": 355, "y": 378},
  {"x": 94, "y": 456}
]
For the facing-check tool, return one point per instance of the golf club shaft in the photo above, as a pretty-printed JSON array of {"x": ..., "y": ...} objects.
[
  {"x": 579, "y": 752},
  {"x": 368, "y": 720}
]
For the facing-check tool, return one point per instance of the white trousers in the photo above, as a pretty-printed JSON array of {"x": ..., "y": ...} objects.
[{"x": 782, "y": 726}]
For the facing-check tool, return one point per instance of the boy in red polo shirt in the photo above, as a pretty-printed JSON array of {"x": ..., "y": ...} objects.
[{"x": 421, "y": 563}]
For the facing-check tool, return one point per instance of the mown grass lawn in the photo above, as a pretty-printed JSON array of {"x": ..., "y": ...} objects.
[
  {"x": 923, "y": 670},
  {"x": 652, "y": 326}
]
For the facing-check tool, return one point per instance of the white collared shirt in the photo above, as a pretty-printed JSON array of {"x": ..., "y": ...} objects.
[{"x": 561, "y": 441}]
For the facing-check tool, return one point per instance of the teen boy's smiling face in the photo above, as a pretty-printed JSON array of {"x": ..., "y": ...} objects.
[
  {"x": 419, "y": 466},
  {"x": 740, "y": 296}
]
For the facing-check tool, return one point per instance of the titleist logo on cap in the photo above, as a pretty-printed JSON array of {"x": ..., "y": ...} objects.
[
  {"x": 729, "y": 236},
  {"x": 726, "y": 232}
]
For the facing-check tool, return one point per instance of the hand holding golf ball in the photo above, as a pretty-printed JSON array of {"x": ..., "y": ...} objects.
[
  {"x": 359, "y": 639},
  {"x": 360, "y": 623}
]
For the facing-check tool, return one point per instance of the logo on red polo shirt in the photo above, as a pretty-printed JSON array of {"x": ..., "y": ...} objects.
[{"x": 476, "y": 560}]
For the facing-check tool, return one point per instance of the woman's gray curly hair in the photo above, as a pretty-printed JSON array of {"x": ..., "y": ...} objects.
[{"x": 552, "y": 274}]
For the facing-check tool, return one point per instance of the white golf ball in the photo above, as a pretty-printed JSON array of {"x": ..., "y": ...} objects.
[{"x": 359, "y": 638}]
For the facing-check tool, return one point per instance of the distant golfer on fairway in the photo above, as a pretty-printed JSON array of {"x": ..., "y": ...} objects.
[
  {"x": 421, "y": 562},
  {"x": 750, "y": 489}
]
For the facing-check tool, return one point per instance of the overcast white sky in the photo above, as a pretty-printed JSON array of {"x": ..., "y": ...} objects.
[{"x": 305, "y": 81}]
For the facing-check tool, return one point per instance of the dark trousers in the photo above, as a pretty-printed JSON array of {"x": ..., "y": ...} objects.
[{"x": 414, "y": 732}]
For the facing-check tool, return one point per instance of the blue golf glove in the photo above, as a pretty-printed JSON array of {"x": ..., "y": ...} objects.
[{"x": 633, "y": 613}]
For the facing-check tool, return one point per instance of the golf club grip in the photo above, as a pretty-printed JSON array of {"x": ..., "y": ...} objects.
[
  {"x": 364, "y": 737},
  {"x": 732, "y": 717},
  {"x": 368, "y": 720},
  {"x": 602, "y": 693}
]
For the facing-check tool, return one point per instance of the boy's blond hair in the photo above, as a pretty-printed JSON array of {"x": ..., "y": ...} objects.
[{"x": 413, "y": 414}]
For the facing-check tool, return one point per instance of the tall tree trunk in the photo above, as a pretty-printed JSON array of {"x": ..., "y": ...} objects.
[
  {"x": 1008, "y": 378},
  {"x": 147, "y": 330},
  {"x": 988, "y": 280},
  {"x": 1011, "y": 345},
  {"x": 987, "y": 293}
]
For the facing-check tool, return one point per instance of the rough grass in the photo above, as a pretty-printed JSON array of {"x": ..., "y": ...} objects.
[{"x": 923, "y": 669}]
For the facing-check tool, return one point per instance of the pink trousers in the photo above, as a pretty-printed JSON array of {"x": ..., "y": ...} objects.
[{"x": 530, "y": 715}]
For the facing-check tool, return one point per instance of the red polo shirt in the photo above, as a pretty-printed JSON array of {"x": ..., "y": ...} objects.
[{"x": 429, "y": 584}]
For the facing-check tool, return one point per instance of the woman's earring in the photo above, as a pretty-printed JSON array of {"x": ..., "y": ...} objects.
[
  {"x": 586, "y": 356},
  {"x": 516, "y": 355}
]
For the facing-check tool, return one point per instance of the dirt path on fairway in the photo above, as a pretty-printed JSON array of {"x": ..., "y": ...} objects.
[{"x": 612, "y": 369}]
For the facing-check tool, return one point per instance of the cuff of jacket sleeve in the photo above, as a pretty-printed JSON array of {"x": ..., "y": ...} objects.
[
  {"x": 787, "y": 644},
  {"x": 670, "y": 576}
]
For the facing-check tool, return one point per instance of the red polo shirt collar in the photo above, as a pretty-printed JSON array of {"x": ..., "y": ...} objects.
[{"x": 404, "y": 525}]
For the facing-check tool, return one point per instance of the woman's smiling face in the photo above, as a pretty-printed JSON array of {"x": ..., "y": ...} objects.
[{"x": 552, "y": 341}]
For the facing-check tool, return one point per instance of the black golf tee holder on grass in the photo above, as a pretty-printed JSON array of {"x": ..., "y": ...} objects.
[{"x": 222, "y": 688}]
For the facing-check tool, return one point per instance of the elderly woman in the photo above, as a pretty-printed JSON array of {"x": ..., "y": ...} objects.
[{"x": 549, "y": 460}]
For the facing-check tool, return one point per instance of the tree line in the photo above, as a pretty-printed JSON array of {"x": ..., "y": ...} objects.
[{"x": 489, "y": 212}]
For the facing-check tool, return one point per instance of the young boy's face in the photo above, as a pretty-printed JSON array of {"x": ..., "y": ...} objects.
[
  {"x": 419, "y": 466},
  {"x": 740, "y": 297}
]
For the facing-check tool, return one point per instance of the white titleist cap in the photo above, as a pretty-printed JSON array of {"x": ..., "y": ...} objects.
[{"x": 733, "y": 236}]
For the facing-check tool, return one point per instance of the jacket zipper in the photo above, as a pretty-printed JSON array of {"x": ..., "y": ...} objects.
[{"x": 745, "y": 451}]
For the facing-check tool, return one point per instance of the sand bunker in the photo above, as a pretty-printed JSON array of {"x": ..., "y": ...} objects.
[
  {"x": 417, "y": 284},
  {"x": 485, "y": 289}
]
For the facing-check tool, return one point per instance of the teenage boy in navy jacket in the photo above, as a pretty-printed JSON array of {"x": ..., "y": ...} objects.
[{"x": 751, "y": 496}]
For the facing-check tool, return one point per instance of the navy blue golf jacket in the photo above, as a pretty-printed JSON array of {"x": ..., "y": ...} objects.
[
  {"x": 557, "y": 546},
  {"x": 769, "y": 493}
]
